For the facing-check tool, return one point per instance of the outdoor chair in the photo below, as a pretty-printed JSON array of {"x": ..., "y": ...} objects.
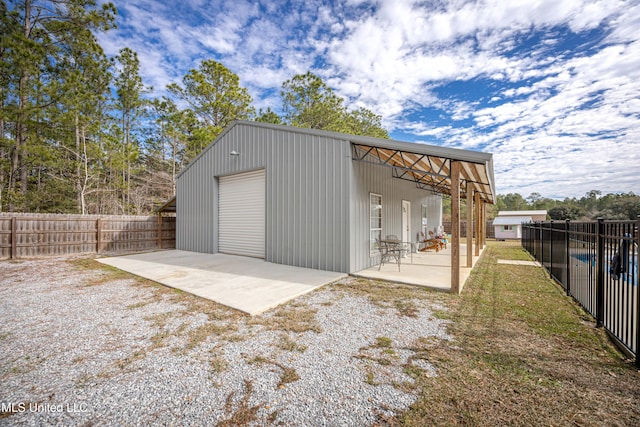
[
  {"x": 442, "y": 243},
  {"x": 425, "y": 244},
  {"x": 404, "y": 247},
  {"x": 388, "y": 252}
]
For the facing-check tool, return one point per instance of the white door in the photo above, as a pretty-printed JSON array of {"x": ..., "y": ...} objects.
[
  {"x": 406, "y": 221},
  {"x": 241, "y": 214}
]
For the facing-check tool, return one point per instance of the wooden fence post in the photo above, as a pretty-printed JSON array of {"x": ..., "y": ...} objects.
[
  {"x": 159, "y": 228},
  {"x": 98, "y": 235},
  {"x": 14, "y": 240}
]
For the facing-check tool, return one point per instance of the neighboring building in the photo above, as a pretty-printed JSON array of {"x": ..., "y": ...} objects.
[
  {"x": 508, "y": 224},
  {"x": 317, "y": 199}
]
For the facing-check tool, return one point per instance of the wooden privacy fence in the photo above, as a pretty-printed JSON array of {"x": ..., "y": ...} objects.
[
  {"x": 42, "y": 235},
  {"x": 490, "y": 231}
]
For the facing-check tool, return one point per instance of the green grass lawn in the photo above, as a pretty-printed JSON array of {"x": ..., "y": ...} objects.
[{"x": 523, "y": 354}]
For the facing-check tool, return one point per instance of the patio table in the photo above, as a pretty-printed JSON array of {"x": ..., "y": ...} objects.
[{"x": 396, "y": 244}]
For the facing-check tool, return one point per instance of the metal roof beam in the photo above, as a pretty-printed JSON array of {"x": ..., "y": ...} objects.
[{"x": 426, "y": 171}]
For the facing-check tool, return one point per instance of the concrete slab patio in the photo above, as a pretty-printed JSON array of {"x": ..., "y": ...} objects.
[
  {"x": 250, "y": 285},
  {"x": 429, "y": 269}
]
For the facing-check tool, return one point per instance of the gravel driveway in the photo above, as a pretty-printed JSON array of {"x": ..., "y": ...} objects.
[{"x": 84, "y": 344}]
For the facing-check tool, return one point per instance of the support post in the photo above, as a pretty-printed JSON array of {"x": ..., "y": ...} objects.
[
  {"x": 477, "y": 222},
  {"x": 98, "y": 235},
  {"x": 483, "y": 225},
  {"x": 455, "y": 227},
  {"x": 469, "y": 224},
  {"x": 483, "y": 206},
  {"x": 600, "y": 274},
  {"x": 14, "y": 238}
]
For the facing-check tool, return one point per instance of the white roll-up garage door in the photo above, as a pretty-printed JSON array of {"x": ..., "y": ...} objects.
[{"x": 241, "y": 214}]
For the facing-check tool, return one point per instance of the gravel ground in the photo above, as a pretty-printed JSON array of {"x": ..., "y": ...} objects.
[{"x": 86, "y": 345}]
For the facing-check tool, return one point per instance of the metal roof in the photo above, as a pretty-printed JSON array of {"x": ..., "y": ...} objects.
[
  {"x": 429, "y": 166},
  {"x": 511, "y": 220},
  {"x": 521, "y": 213}
]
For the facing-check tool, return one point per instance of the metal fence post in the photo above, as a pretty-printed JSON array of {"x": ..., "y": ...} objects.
[
  {"x": 567, "y": 242},
  {"x": 600, "y": 274},
  {"x": 532, "y": 239},
  {"x": 541, "y": 244},
  {"x": 637, "y": 274},
  {"x": 551, "y": 239}
]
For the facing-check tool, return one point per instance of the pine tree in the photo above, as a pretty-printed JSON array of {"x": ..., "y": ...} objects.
[
  {"x": 131, "y": 107},
  {"x": 308, "y": 102},
  {"x": 38, "y": 41},
  {"x": 215, "y": 97}
]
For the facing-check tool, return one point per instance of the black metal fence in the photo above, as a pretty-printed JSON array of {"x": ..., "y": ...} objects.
[{"x": 596, "y": 262}]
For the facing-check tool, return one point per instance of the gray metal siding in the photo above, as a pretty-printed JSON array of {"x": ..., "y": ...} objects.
[
  {"x": 197, "y": 188},
  {"x": 307, "y": 196},
  {"x": 307, "y": 201},
  {"x": 196, "y": 223},
  {"x": 368, "y": 178}
]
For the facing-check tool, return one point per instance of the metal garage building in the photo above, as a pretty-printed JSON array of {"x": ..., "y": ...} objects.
[{"x": 317, "y": 199}]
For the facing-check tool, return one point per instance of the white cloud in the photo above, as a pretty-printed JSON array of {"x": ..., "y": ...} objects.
[{"x": 558, "y": 121}]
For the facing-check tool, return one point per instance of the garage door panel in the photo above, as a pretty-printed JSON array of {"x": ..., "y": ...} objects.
[{"x": 241, "y": 214}]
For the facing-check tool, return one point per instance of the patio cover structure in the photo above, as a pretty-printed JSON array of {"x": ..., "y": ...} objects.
[
  {"x": 169, "y": 206},
  {"x": 453, "y": 172}
]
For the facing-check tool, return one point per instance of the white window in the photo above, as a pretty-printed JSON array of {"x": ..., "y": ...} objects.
[
  {"x": 375, "y": 221},
  {"x": 424, "y": 224}
]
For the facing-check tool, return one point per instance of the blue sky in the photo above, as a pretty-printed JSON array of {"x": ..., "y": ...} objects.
[{"x": 550, "y": 87}]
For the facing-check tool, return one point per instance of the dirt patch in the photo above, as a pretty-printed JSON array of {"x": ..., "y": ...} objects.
[{"x": 292, "y": 317}]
